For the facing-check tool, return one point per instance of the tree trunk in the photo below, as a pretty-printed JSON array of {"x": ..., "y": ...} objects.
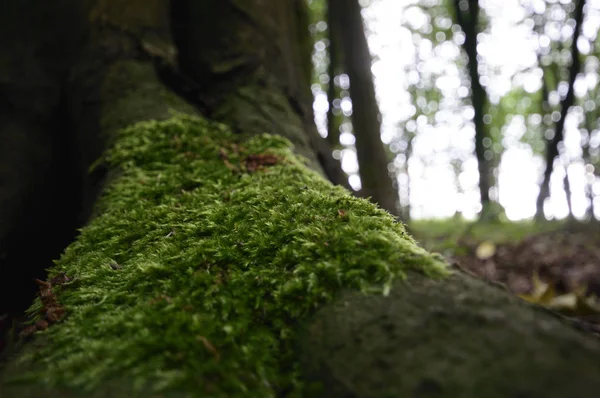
[
  {"x": 566, "y": 103},
  {"x": 373, "y": 158},
  {"x": 545, "y": 111},
  {"x": 568, "y": 194},
  {"x": 333, "y": 70},
  {"x": 590, "y": 120},
  {"x": 39, "y": 187},
  {"x": 468, "y": 20},
  {"x": 217, "y": 264}
]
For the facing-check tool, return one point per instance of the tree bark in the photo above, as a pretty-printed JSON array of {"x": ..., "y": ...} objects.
[
  {"x": 373, "y": 158},
  {"x": 545, "y": 111},
  {"x": 590, "y": 125},
  {"x": 568, "y": 194},
  {"x": 333, "y": 70},
  {"x": 468, "y": 20},
  {"x": 217, "y": 264},
  {"x": 39, "y": 191},
  {"x": 566, "y": 103}
]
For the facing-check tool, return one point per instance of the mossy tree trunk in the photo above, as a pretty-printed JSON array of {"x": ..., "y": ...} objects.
[{"x": 217, "y": 264}]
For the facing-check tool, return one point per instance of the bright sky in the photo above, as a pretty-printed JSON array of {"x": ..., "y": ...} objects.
[{"x": 508, "y": 50}]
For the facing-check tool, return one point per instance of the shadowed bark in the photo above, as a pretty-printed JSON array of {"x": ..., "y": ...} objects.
[{"x": 40, "y": 191}]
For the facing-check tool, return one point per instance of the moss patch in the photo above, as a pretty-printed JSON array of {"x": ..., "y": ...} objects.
[{"x": 208, "y": 250}]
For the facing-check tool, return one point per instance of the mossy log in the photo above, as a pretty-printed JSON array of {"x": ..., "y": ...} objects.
[{"x": 218, "y": 264}]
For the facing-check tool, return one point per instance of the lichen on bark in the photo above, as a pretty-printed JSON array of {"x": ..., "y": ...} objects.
[{"x": 208, "y": 249}]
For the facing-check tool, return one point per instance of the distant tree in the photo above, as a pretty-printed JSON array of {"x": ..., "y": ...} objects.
[
  {"x": 373, "y": 158},
  {"x": 467, "y": 17},
  {"x": 591, "y": 154},
  {"x": 334, "y": 69},
  {"x": 552, "y": 144}
]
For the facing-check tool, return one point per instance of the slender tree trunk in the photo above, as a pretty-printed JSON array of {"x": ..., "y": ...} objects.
[
  {"x": 373, "y": 158},
  {"x": 333, "y": 70},
  {"x": 408, "y": 153},
  {"x": 591, "y": 210},
  {"x": 468, "y": 20},
  {"x": 566, "y": 103},
  {"x": 590, "y": 121},
  {"x": 545, "y": 111},
  {"x": 217, "y": 264},
  {"x": 568, "y": 193}
]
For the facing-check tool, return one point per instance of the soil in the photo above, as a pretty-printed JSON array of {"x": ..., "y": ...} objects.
[{"x": 567, "y": 261}]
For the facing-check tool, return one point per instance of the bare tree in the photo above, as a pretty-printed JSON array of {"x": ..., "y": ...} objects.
[
  {"x": 467, "y": 16},
  {"x": 565, "y": 105},
  {"x": 373, "y": 158}
]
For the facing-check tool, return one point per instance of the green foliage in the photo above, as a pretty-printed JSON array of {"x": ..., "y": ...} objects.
[
  {"x": 208, "y": 250},
  {"x": 448, "y": 235}
]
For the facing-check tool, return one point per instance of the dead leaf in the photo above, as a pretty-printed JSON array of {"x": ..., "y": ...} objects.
[{"x": 485, "y": 250}]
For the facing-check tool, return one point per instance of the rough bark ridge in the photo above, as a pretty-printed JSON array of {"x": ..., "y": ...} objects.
[{"x": 217, "y": 264}]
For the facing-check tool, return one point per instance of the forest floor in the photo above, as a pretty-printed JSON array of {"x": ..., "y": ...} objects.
[{"x": 553, "y": 264}]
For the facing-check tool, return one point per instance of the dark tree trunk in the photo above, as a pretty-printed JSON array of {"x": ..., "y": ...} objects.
[
  {"x": 333, "y": 70},
  {"x": 568, "y": 194},
  {"x": 566, "y": 103},
  {"x": 467, "y": 16},
  {"x": 40, "y": 187},
  {"x": 373, "y": 158},
  {"x": 591, "y": 121},
  {"x": 217, "y": 264},
  {"x": 545, "y": 111}
]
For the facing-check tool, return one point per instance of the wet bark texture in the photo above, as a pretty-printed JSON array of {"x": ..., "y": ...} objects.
[
  {"x": 454, "y": 338},
  {"x": 373, "y": 159}
]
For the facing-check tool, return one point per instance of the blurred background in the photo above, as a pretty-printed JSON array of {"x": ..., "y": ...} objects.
[
  {"x": 482, "y": 105},
  {"x": 477, "y": 123}
]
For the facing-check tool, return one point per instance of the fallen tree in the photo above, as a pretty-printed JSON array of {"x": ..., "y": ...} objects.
[{"x": 218, "y": 262}]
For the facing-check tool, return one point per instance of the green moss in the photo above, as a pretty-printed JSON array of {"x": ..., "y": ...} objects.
[{"x": 200, "y": 265}]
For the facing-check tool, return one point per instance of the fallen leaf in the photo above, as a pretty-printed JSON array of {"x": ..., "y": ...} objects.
[{"x": 485, "y": 250}]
